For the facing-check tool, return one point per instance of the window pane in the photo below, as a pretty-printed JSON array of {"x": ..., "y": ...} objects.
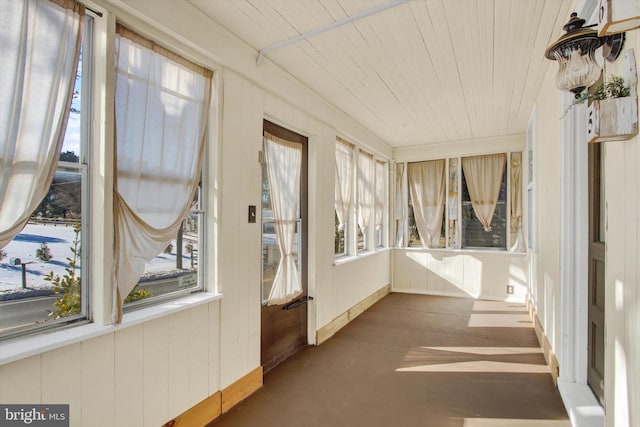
[
  {"x": 41, "y": 269},
  {"x": 361, "y": 240},
  {"x": 414, "y": 236},
  {"x": 176, "y": 269},
  {"x": 452, "y": 205},
  {"x": 473, "y": 233},
  {"x": 339, "y": 247}
]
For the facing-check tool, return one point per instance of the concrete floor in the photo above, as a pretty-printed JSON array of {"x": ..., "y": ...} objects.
[{"x": 414, "y": 360}]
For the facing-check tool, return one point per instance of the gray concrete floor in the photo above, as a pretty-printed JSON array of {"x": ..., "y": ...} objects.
[{"x": 414, "y": 360}]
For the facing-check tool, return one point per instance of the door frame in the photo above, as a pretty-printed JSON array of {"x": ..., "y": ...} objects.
[
  {"x": 574, "y": 228},
  {"x": 282, "y": 131}
]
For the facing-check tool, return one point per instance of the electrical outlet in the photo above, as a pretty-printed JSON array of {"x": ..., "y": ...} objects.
[{"x": 509, "y": 289}]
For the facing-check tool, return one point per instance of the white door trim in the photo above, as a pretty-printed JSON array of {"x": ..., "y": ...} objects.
[{"x": 581, "y": 404}]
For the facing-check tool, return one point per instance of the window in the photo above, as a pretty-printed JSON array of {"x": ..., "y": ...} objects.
[
  {"x": 531, "y": 187},
  {"x": 339, "y": 241},
  {"x": 343, "y": 195},
  {"x": 44, "y": 268},
  {"x": 427, "y": 189},
  {"x": 175, "y": 270},
  {"x": 380, "y": 194},
  {"x": 45, "y": 258},
  {"x": 161, "y": 109},
  {"x": 484, "y": 224},
  {"x": 482, "y": 208},
  {"x": 365, "y": 186},
  {"x": 361, "y": 192}
]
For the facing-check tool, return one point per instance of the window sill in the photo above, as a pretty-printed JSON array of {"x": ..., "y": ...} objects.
[
  {"x": 22, "y": 347},
  {"x": 462, "y": 251},
  {"x": 345, "y": 259}
]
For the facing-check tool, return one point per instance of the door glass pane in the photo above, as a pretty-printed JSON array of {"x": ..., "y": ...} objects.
[{"x": 270, "y": 249}]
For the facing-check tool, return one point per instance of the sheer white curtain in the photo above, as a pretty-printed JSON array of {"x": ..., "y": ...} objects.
[
  {"x": 344, "y": 181},
  {"x": 380, "y": 181},
  {"x": 427, "y": 186},
  {"x": 483, "y": 175},
  {"x": 284, "y": 162},
  {"x": 400, "y": 204},
  {"x": 365, "y": 191},
  {"x": 40, "y": 48},
  {"x": 517, "y": 234},
  {"x": 161, "y": 114}
]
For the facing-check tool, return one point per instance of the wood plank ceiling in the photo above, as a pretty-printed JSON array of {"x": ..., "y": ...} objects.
[{"x": 425, "y": 71}]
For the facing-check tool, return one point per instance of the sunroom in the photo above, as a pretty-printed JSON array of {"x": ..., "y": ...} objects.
[{"x": 195, "y": 190}]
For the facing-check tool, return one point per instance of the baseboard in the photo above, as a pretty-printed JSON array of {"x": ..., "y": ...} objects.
[
  {"x": 218, "y": 403},
  {"x": 343, "y": 319},
  {"x": 241, "y": 389},
  {"x": 199, "y": 415},
  {"x": 547, "y": 350}
]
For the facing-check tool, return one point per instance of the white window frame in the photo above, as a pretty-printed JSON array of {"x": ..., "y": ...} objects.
[
  {"x": 530, "y": 167},
  {"x": 381, "y": 236},
  {"x": 82, "y": 167},
  {"x": 448, "y": 246},
  {"x": 198, "y": 211},
  {"x": 349, "y": 223},
  {"x": 352, "y": 229},
  {"x": 507, "y": 171}
]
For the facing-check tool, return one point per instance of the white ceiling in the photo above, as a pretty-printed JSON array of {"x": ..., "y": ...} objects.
[{"x": 425, "y": 71}]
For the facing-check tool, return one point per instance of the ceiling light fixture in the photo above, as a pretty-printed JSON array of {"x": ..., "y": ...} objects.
[{"x": 574, "y": 51}]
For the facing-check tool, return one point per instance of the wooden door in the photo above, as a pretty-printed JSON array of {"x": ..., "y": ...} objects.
[
  {"x": 595, "y": 370},
  {"x": 283, "y": 327}
]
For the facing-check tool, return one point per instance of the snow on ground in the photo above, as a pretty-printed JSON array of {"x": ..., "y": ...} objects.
[{"x": 59, "y": 239}]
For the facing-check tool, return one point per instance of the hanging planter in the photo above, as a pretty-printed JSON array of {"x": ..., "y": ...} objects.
[{"x": 613, "y": 114}]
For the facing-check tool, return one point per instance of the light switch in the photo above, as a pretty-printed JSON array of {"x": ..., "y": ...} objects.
[{"x": 252, "y": 213}]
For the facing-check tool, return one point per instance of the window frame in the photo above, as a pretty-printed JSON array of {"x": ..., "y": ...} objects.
[
  {"x": 380, "y": 238},
  {"x": 346, "y": 231},
  {"x": 357, "y": 242},
  {"x": 411, "y": 222},
  {"x": 452, "y": 225},
  {"x": 467, "y": 206},
  {"x": 198, "y": 209},
  {"x": 83, "y": 169},
  {"x": 530, "y": 199}
]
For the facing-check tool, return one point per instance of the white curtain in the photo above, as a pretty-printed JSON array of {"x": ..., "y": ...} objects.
[
  {"x": 400, "y": 204},
  {"x": 483, "y": 175},
  {"x": 344, "y": 181},
  {"x": 365, "y": 191},
  {"x": 380, "y": 181},
  {"x": 39, "y": 49},
  {"x": 161, "y": 114},
  {"x": 284, "y": 162},
  {"x": 427, "y": 186},
  {"x": 517, "y": 234}
]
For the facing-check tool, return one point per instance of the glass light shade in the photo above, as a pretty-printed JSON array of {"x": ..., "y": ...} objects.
[
  {"x": 574, "y": 52},
  {"x": 577, "y": 68}
]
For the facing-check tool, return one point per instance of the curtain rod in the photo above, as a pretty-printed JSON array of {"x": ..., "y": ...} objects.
[
  {"x": 94, "y": 11},
  {"x": 336, "y": 24}
]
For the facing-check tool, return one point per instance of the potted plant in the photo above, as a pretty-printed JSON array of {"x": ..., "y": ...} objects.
[{"x": 613, "y": 112}]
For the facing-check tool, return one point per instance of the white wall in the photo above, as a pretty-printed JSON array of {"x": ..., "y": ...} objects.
[
  {"x": 142, "y": 375},
  {"x": 622, "y": 193},
  {"x": 622, "y": 312},
  {"x": 545, "y": 261},
  {"x": 471, "y": 274}
]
